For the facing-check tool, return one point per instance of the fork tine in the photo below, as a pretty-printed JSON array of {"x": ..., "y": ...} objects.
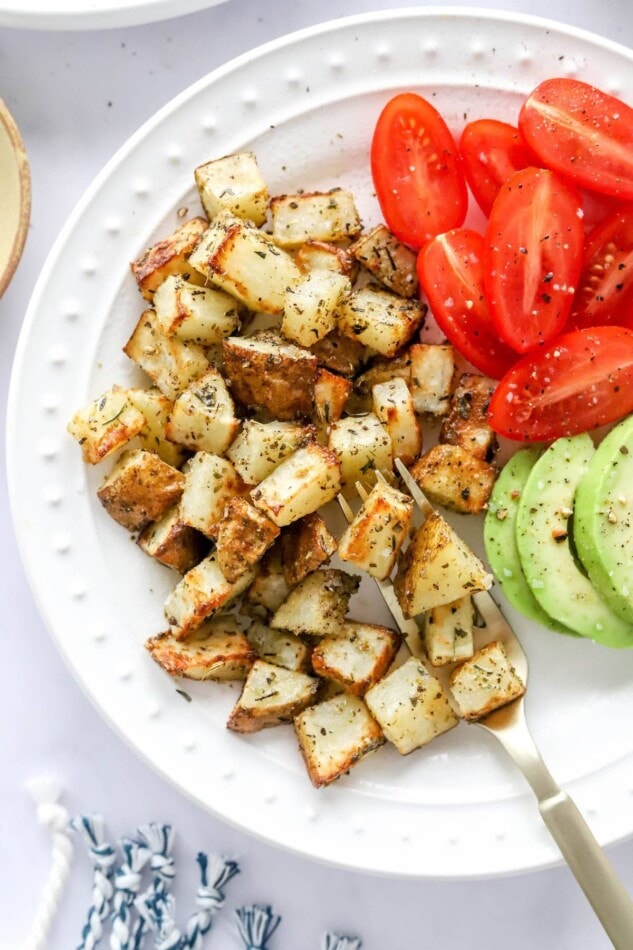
[{"x": 415, "y": 491}]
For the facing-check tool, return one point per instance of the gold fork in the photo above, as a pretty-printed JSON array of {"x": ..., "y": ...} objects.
[{"x": 578, "y": 846}]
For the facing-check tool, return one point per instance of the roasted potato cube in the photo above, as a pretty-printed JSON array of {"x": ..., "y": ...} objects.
[
  {"x": 485, "y": 682},
  {"x": 307, "y": 479},
  {"x": 330, "y": 395},
  {"x": 261, "y": 446},
  {"x": 357, "y": 657},
  {"x": 246, "y": 263},
  {"x": 243, "y": 537},
  {"x": 169, "y": 363},
  {"x": 203, "y": 416},
  {"x": 201, "y": 315},
  {"x": 233, "y": 183},
  {"x": 437, "y": 568},
  {"x": 363, "y": 447},
  {"x": 267, "y": 372},
  {"x": 319, "y": 255},
  {"x": 379, "y": 319},
  {"x": 393, "y": 406},
  {"x": 373, "y": 539},
  {"x": 271, "y": 695},
  {"x": 216, "y": 650},
  {"x": 153, "y": 436},
  {"x": 210, "y": 483},
  {"x": 305, "y": 545},
  {"x": 448, "y": 632},
  {"x": 383, "y": 371},
  {"x": 410, "y": 707},
  {"x": 390, "y": 261},
  {"x": 432, "y": 374},
  {"x": 317, "y": 216},
  {"x": 140, "y": 488},
  {"x": 450, "y": 476},
  {"x": 280, "y": 648},
  {"x": 106, "y": 424},
  {"x": 167, "y": 257},
  {"x": 201, "y": 592},
  {"x": 339, "y": 354},
  {"x": 310, "y": 306},
  {"x": 317, "y": 605},
  {"x": 172, "y": 542},
  {"x": 335, "y": 735},
  {"x": 269, "y": 589},
  {"x": 467, "y": 422}
]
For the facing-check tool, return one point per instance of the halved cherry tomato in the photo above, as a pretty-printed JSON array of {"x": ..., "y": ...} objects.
[
  {"x": 534, "y": 242},
  {"x": 415, "y": 167},
  {"x": 578, "y": 382},
  {"x": 450, "y": 271},
  {"x": 583, "y": 133},
  {"x": 491, "y": 151},
  {"x": 605, "y": 287}
]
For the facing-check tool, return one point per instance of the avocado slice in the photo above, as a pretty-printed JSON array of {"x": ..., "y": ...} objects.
[
  {"x": 603, "y": 519},
  {"x": 499, "y": 538},
  {"x": 543, "y": 523}
]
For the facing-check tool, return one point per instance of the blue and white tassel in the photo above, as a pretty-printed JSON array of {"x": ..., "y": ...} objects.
[
  {"x": 159, "y": 841},
  {"x": 256, "y": 925},
  {"x": 333, "y": 941},
  {"x": 92, "y": 829},
  {"x": 127, "y": 883},
  {"x": 215, "y": 874}
]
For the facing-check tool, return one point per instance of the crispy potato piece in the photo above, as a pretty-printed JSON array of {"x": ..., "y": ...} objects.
[
  {"x": 432, "y": 377},
  {"x": 310, "y": 306},
  {"x": 203, "y": 315},
  {"x": 167, "y": 257},
  {"x": 393, "y": 405},
  {"x": 203, "y": 415},
  {"x": 306, "y": 544},
  {"x": 340, "y": 354},
  {"x": 210, "y": 483},
  {"x": 140, "y": 488},
  {"x": 269, "y": 589},
  {"x": 106, "y": 425},
  {"x": 320, "y": 255},
  {"x": 216, "y": 650},
  {"x": 281, "y": 648},
  {"x": 261, "y": 446},
  {"x": 485, "y": 682},
  {"x": 318, "y": 216},
  {"x": 391, "y": 262},
  {"x": 362, "y": 447},
  {"x": 243, "y": 536},
  {"x": 448, "y": 632},
  {"x": 330, "y": 395},
  {"x": 156, "y": 407},
  {"x": 201, "y": 592},
  {"x": 335, "y": 735},
  {"x": 467, "y": 422},
  {"x": 271, "y": 695},
  {"x": 357, "y": 657},
  {"x": 307, "y": 479},
  {"x": 450, "y": 476},
  {"x": 380, "y": 319},
  {"x": 169, "y": 363},
  {"x": 318, "y": 604},
  {"x": 172, "y": 542},
  {"x": 233, "y": 183},
  {"x": 373, "y": 539}
]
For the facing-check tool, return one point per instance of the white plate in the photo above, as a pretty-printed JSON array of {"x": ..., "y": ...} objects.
[
  {"x": 306, "y": 105},
  {"x": 94, "y": 15}
]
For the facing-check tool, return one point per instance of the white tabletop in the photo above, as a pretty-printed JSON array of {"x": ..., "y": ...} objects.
[{"x": 77, "y": 97}]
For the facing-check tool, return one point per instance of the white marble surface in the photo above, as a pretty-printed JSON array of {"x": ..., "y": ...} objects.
[{"x": 77, "y": 97}]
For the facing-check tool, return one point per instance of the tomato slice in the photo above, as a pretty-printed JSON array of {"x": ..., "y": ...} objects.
[
  {"x": 605, "y": 288},
  {"x": 415, "y": 167},
  {"x": 450, "y": 271},
  {"x": 583, "y": 133},
  {"x": 491, "y": 151},
  {"x": 576, "y": 383},
  {"x": 534, "y": 243}
]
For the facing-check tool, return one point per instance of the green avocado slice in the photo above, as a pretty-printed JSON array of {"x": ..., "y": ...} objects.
[
  {"x": 542, "y": 536},
  {"x": 500, "y": 543},
  {"x": 603, "y": 519}
]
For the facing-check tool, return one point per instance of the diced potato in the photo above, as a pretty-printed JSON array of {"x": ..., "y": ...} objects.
[
  {"x": 246, "y": 263},
  {"x": 379, "y": 319},
  {"x": 140, "y": 488},
  {"x": 317, "y": 216},
  {"x": 319, "y": 255},
  {"x": 357, "y": 657},
  {"x": 169, "y": 363},
  {"x": 330, "y": 395},
  {"x": 410, "y": 707},
  {"x": 172, "y": 542},
  {"x": 201, "y": 592},
  {"x": 233, "y": 183},
  {"x": 310, "y": 306},
  {"x": 432, "y": 374},
  {"x": 261, "y": 446},
  {"x": 450, "y": 476},
  {"x": 393, "y": 405},
  {"x": 167, "y": 257},
  {"x": 210, "y": 483},
  {"x": 448, "y": 632},
  {"x": 280, "y": 648},
  {"x": 437, "y": 568},
  {"x": 309, "y": 478},
  {"x": 339, "y": 354},
  {"x": 467, "y": 422},
  {"x": 390, "y": 261},
  {"x": 485, "y": 682},
  {"x": 267, "y": 372},
  {"x": 269, "y": 589},
  {"x": 201, "y": 315},
  {"x": 363, "y": 447},
  {"x": 306, "y": 544},
  {"x": 216, "y": 650},
  {"x": 153, "y": 436},
  {"x": 106, "y": 425},
  {"x": 271, "y": 695},
  {"x": 335, "y": 735},
  {"x": 203, "y": 416},
  {"x": 373, "y": 539},
  {"x": 317, "y": 605},
  {"x": 243, "y": 536},
  {"x": 383, "y": 371}
]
